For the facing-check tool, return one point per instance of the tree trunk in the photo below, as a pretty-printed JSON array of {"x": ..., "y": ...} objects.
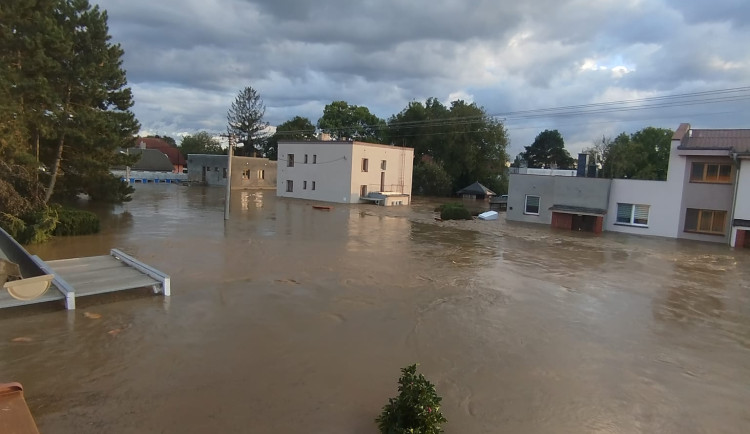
[
  {"x": 55, "y": 169},
  {"x": 58, "y": 157}
]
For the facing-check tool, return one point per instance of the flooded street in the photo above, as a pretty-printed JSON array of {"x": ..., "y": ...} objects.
[{"x": 287, "y": 319}]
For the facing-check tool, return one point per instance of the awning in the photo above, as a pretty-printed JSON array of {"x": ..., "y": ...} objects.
[
  {"x": 568, "y": 209},
  {"x": 742, "y": 223}
]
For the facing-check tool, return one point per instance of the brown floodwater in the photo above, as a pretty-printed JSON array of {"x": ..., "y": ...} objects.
[{"x": 287, "y": 319}]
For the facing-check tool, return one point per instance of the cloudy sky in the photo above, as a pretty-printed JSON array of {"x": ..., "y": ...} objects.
[{"x": 187, "y": 59}]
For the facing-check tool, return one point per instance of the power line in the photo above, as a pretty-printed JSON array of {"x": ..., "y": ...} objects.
[{"x": 609, "y": 107}]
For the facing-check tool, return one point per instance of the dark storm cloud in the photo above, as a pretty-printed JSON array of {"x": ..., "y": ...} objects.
[{"x": 187, "y": 59}]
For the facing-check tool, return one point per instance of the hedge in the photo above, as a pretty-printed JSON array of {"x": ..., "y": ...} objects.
[{"x": 76, "y": 222}]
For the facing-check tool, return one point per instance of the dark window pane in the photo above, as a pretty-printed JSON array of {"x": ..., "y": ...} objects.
[
  {"x": 696, "y": 174},
  {"x": 691, "y": 219},
  {"x": 725, "y": 173},
  {"x": 712, "y": 172},
  {"x": 624, "y": 211},
  {"x": 718, "y": 223}
]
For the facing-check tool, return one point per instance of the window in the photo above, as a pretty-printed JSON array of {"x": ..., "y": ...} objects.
[
  {"x": 362, "y": 190},
  {"x": 313, "y": 183},
  {"x": 290, "y": 160},
  {"x": 246, "y": 174},
  {"x": 383, "y": 164},
  {"x": 315, "y": 160},
  {"x": 304, "y": 185},
  {"x": 705, "y": 221},
  {"x": 305, "y": 158},
  {"x": 225, "y": 173},
  {"x": 711, "y": 172},
  {"x": 365, "y": 162},
  {"x": 261, "y": 174},
  {"x": 289, "y": 186},
  {"x": 532, "y": 205},
  {"x": 630, "y": 214}
]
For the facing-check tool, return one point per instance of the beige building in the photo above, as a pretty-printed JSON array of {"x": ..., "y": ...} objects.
[
  {"x": 345, "y": 172},
  {"x": 247, "y": 172}
]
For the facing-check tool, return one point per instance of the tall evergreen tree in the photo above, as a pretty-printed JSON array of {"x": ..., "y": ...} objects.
[
  {"x": 67, "y": 99},
  {"x": 245, "y": 121}
]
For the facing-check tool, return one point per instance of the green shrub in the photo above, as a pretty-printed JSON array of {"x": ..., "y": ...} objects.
[
  {"x": 76, "y": 222},
  {"x": 40, "y": 226},
  {"x": 416, "y": 409},
  {"x": 454, "y": 211}
]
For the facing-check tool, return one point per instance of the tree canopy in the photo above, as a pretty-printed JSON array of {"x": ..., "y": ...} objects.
[
  {"x": 460, "y": 143},
  {"x": 297, "y": 128},
  {"x": 245, "y": 121},
  {"x": 64, "y": 98},
  {"x": 200, "y": 143},
  {"x": 344, "y": 121},
  {"x": 641, "y": 155},
  {"x": 548, "y": 150}
]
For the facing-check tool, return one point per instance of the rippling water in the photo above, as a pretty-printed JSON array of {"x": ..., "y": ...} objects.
[{"x": 287, "y": 319}]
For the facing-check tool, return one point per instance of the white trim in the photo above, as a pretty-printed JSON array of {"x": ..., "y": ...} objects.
[{"x": 526, "y": 204}]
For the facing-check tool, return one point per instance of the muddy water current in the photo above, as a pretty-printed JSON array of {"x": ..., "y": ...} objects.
[{"x": 288, "y": 319}]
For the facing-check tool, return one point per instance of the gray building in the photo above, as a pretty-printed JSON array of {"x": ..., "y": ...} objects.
[
  {"x": 247, "y": 172},
  {"x": 706, "y": 196},
  {"x": 561, "y": 201}
]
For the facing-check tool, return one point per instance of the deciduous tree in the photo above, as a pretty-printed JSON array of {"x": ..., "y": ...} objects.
[
  {"x": 297, "y": 128},
  {"x": 200, "y": 143},
  {"x": 344, "y": 121},
  {"x": 548, "y": 150}
]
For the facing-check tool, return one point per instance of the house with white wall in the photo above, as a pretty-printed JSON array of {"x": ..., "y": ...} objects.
[
  {"x": 345, "y": 172},
  {"x": 705, "y": 197}
]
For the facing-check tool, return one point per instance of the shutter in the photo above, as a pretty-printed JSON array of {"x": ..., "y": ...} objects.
[
  {"x": 624, "y": 211},
  {"x": 640, "y": 217}
]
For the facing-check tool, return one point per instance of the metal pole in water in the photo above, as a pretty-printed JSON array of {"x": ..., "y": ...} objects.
[{"x": 229, "y": 178}]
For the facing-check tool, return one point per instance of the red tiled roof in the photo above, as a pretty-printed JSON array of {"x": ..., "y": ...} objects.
[{"x": 174, "y": 154}]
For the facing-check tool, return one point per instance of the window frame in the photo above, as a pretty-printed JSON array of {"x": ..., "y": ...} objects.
[
  {"x": 305, "y": 158},
  {"x": 633, "y": 212},
  {"x": 313, "y": 186},
  {"x": 315, "y": 159},
  {"x": 526, "y": 204},
  {"x": 365, "y": 165},
  {"x": 304, "y": 185},
  {"x": 290, "y": 160},
  {"x": 699, "y": 220},
  {"x": 704, "y": 173},
  {"x": 289, "y": 186},
  {"x": 261, "y": 174}
]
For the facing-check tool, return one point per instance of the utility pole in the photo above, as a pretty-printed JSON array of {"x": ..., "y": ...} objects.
[{"x": 228, "y": 195}]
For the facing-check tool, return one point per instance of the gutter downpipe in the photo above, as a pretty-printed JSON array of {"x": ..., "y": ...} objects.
[{"x": 734, "y": 198}]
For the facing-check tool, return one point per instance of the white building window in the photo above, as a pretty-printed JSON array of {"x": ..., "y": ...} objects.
[
  {"x": 289, "y": 186},
  {"x": 632, "y": 214},
  {"x": 532, "y": 205},
  {"x": 315, "y": 159},
  {"x": 304, "y": 185},
  {"x": 261, "y": 174},
  {"x": 305, "y": 158},
  {"x": 313, "y": 185},
  {"x": 290, "y": 160}
]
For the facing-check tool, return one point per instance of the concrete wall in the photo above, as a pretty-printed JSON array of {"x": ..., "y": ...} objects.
[
  {"x": 397, "y": 173},
  {"x": 331, "y": 171},
  {"x": 253, "y": 173},
  {"x": 662, "y": 198},
  {"x": 538, "y": 185},
  {"x": 215, "y": 171},
  {"x": 554, "y": 190}
]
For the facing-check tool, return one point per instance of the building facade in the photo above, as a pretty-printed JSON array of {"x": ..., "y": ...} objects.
[
  {"x": 345, "y": 172},
  {"x": 706, "y": 195},
  {"x": 247, "y": 172}
]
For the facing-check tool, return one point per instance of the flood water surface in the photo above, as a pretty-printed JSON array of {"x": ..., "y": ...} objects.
[{"x": 288, "y": 319}]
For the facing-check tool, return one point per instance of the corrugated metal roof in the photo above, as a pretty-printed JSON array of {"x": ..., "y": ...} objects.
[{"x": 734, "y": 140}]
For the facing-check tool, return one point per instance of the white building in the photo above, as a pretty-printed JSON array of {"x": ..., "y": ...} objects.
[{"x": 345, "y": 172}]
